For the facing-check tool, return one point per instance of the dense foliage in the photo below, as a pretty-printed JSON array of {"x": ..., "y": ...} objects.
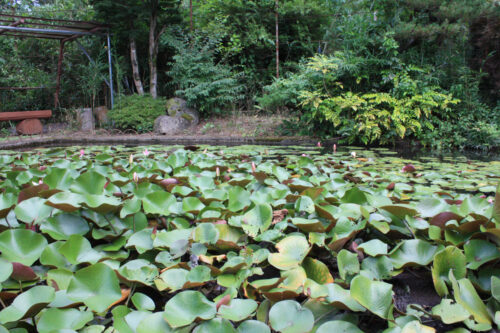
[
  {"x": 385, "y": 63},
  {"x": 137, "y": 112},
  {"x": 210, "y": 87},
  {"x": 246, "y": 239},
  {"x": 371, "y": 72}
]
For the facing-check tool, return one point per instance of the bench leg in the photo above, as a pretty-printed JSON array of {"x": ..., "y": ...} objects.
[{"x": 29, "y": 127}]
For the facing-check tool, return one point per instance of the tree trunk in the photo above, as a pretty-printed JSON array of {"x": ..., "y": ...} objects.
[
  {"x": 191, "y": 15},
  {"x": 277, "y": 41},
  {"x": 153, "y": 53},
  {"x": 135, "y": 67}
]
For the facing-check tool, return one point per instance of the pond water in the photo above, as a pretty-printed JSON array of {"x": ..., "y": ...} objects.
[{"x": 249, "y": 238}]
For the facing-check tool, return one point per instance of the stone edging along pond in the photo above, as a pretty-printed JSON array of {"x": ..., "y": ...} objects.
[{"x": 150, "y": 140}]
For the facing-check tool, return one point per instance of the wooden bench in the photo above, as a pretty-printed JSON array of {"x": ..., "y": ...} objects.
[{"x": 30, "y": 123}]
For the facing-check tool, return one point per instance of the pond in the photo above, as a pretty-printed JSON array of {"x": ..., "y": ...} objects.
[{"x": 247, "y": 239}]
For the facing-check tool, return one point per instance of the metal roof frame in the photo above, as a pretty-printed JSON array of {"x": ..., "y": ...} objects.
[{"x": 18, "y": 26}]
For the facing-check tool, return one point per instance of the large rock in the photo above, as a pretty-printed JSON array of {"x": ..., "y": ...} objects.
[
  {"x": 29, "y": 127},
  {"x": 101, "y": 115},
  {"x": 177, "y": 107},
  {"x": 85, "y": 119},
  {"x": 170, "y": 125}
]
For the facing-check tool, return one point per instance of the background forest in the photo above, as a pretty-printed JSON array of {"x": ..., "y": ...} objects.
[{"x": 367, "y": 71}]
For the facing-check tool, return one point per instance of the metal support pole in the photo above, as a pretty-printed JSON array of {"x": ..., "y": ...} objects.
[
  {"x": 110, "y": 64},
  {"x": 14, "y": 24},
  {"x": 59, "y": 73},
  {"x": 80, "y": 46},
  {"x": 47, "y": 31}
]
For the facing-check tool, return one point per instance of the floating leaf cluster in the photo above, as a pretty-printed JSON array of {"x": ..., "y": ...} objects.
[{"x": 246, "y": 239}]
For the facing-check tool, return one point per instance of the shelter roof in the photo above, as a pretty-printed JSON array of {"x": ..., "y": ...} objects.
[{"x": 37, "y": 27}]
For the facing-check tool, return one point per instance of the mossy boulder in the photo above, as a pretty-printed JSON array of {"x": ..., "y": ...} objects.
[
  {"x": 170, "y": 125},
  {"x": 177, "y": 107}
]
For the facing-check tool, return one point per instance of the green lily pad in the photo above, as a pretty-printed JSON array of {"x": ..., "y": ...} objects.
[
  {"x": 192, "y": 205},
  {"x": 141, "y": 240},
  {"x": 142, "y": 302},
  {"x": 27, "y": 304},
  {"x": 78, "y": 249},
  {"x": 292, "y": 250},
  {"x": 153, "y": 323},
  {"x": 97, "y": 296},
  {"x": 239, "y": 199},
  {"x": 479, "y": 252},
  {"x": 374, "y": 247},
  {"x": 89, "y": 182},
  {"x": 413, "y": 252},
  {"x": 187, "y": 306},
  {"x": 305, "y": 204},
  {"x": 376, "y": 296},
  {"x": 23, "y": 246},
  {"x": 215, "y": 325},
  {"x": 238, "y": 309},
  {"x": 495, "y": 287},
  {"x": 7, "y": 202},
  {"x": 290, "y": 317},
  {"x": 496, "y": 207},
  {"x": 5, "y": 269},
  {"x": 339, "y": 326},
  {"x": 206, "y": 233},
  {"x": 62, "y": 226},
  {"x": 257, "y": 219},
  {"x": 158, "y": 202},
  {"x": 467, "y": 297},
  {"x": 317, "y": 271},
  {"x": 348, "y": 264},
  {"x": 450, "y": 313},
  {"x": 430, "y": 207},
  {"x": 253, "y": 326},
  {"x": 308, "y": 225},
  {"x": 32, "y": 210},
  {"x": 138, "y": 270},
  {"x": 63, "y": 319},
  {"x": 341, "y": 298},
  {"x": 451, "y": 258}
]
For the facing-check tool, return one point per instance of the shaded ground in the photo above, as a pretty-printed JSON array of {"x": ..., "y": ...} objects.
[
  {"x": 237, "y": 125},
  {"x": 241, "y": 128}
]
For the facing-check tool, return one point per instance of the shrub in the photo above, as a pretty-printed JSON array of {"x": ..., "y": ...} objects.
[
  {"x": 404, "y": 109},
  {"x": 285, "y": 92},
  {"x": 137, "y": 112},
  {"x": 208, "y": 86}
]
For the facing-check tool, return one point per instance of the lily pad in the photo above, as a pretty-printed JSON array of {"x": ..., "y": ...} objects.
[
  {"x": 292, "y": 250},
  {"x": 63, "y": 319},
  {"x": 339, "y": 326},
  {"x": 290, "y": 317},
  {"x": 451, "y": 258},
  {"x": 450, "y": 313},
  {"x": 97, "y": 296},
  {"x": 253, "y": 326},
  {"x": 24, "y": 246},
  {"x": 376, "y": 296},
  {"x": 238, "y": 309},
  {"x": 62, "y": 226},
  {"x": 479, "y": 252},
  {"x": 413, "y": 252},
  {"x": 187, "y": 306},
  {"x": 27, "y": 304},
  {"x": 257, "y": 219},
  {"x": 374, "y": 247}
]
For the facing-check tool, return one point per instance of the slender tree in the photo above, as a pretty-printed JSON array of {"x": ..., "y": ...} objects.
[{"x": 126, "y": 17}]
